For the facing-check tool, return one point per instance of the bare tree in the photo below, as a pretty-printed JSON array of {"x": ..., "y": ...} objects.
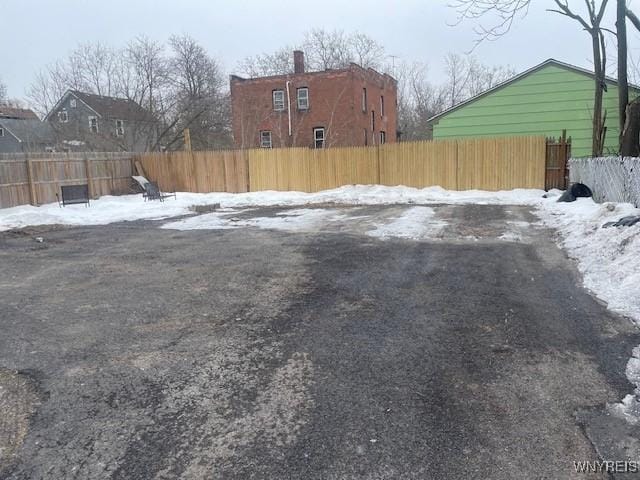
[
  {"x": 623, "y": 81},
  {"x": 366, "y": 52},
  {"x": 504, "y": 11},
  {"x": 507, "y": 10},
  {"x": 3, "y": 93},
  {"x": 198, "y": 88},
  {"x": 468, "y": 77},
  {"x": 323, "y": 50},
  {"x": 279, "y": 62},
  {"x": 592, "y": 24},
  {"x": 48, "y": 87},
  {"x": 92, "y": 65},
  {"x": 418, "y": 101},
  {"x": 143, "y": 75},
  {"x": 184, "y": 89}
]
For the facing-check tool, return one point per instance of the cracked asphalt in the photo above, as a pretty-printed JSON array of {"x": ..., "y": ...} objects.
[{"x": 133, "y": 352}]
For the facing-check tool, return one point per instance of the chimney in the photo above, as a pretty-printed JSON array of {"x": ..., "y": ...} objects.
[{"x": 298, "y": 61}]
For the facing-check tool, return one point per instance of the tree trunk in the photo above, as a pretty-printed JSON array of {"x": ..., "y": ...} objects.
[
  {"x": 630, "y": 146},
  {"x": 597, "y": 133},
  {"x": 623, "y": 83}
]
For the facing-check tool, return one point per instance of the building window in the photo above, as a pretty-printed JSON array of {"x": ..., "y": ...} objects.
[
  {"x": 364, "y": 99},
  {"x": 381, "y": 106},
  {"x": 303, "y": 98},
  {"x": 73, "y": 103},
  {"x": 63, "y": 116},
  {"x": 265, "y": 139},
  {"x": 318, "y": 137},
  {"x": 93, "y": 124},
  {"x": 383, "y": 138},
  {"x": 1, "y": 132},
  {"x": 119, "y": 128},
  {"x": 366, "y": 137},
  {"x": 373, "y": 120},
  {"x": 278, "y": 100}
]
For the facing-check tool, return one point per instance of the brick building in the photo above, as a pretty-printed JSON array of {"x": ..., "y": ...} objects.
[{"x": 343, "y": 107}]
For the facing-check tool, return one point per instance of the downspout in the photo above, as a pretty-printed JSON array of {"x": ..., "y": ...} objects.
[{"x": 289, "y": 106}]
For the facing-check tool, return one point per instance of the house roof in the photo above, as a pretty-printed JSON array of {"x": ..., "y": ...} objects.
[
  {"x": 546, "y": 63},
  {"x": 29, "y": 131},
  {"x": 330, "y": 71},
  {"x": 109, "y": 107},
  {"x": 17, "y": 113}
]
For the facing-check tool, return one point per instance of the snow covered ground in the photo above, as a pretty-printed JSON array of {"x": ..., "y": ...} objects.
[
  {"x": 111, "y": 209},
  {"x": 609, "y": 259}
]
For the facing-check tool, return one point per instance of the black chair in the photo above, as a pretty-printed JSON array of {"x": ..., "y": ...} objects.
[
  {"x": 153, "y": 192},
  {"x": 73, "y": 194}
]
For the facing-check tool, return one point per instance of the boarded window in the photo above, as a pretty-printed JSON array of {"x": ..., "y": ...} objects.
[
  {"x": 63, "y": 116},
  {"x": 364, "y": 99},
  {"x": 119, "y": 128}
]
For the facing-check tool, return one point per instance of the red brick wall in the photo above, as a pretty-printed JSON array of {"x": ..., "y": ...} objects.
[{"x": 335, "y": 103}]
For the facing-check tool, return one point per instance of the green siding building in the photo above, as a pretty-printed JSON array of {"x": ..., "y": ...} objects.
[{"x": 544, "y": 100}]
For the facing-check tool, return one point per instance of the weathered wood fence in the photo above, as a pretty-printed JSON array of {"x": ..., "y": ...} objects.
[
  {"x": 35, "y": 178},
  {"x": 486, "y": 164}
]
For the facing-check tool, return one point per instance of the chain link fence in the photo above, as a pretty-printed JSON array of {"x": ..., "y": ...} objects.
[{"x": 612, "y": 179}]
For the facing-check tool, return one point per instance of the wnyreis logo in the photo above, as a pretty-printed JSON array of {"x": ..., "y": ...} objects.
[{"x": 607, "y": 467}]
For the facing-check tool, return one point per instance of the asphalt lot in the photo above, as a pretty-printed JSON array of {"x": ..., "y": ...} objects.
[{"x": 134, "y": 352}]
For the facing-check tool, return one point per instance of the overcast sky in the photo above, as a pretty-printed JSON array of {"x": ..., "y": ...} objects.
[{"x": 37, "y": 32}]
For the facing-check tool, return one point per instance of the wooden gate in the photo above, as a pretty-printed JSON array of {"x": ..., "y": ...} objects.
[{"x": 557, "y": 162}]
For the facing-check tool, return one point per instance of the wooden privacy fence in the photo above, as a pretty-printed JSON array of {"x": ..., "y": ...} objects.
[
  {"x": 35, "y": 178},
  {"x": 557, "y": 165},
  {"x": 486, "y": 164},
  {"x": 210, "y": 171}
]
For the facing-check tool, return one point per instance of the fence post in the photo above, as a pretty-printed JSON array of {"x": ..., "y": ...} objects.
[
  {"x": 87, "y": 167},
  {"x": 457, "y": 144},
  {"x": 32, "y": 187},
  {"x": 378, "y": 162}
]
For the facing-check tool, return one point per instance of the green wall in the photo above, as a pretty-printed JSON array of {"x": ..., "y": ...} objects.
[{"x": 544, "y": 102}]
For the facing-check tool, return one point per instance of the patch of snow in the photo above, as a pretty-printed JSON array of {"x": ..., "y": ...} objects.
[
  {"x": 608, "y": 258},
  {"x": 291, "y": 220},
  {"x": 414, "y": 223},
  {"x": 510, "y": 236},
  {"x": 111, "y": 209}
]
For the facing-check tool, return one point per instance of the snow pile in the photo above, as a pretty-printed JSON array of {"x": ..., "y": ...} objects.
[
  {"x": 609, "y": 259},
  {"x": 111, "y": 209},
  {"x": 413, "y": 223}
]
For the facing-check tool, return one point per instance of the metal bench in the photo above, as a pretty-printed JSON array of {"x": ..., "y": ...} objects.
[{"x": 74, "y": 194}]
